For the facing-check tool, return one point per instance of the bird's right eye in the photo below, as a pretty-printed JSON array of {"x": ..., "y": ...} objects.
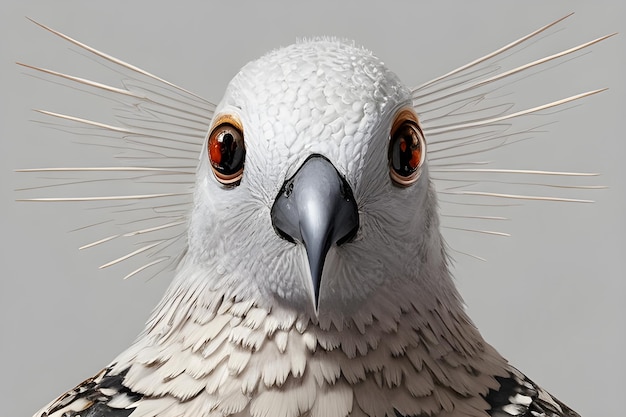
[
  {"x": 407, "y": 149},
  {"x": 227, "y": 152}
]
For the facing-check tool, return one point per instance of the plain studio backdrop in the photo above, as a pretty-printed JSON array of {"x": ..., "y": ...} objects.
[{"x": 550, "y": 298}]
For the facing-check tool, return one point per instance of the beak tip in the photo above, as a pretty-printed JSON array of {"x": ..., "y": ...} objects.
[{"x": 316, "y": 266}]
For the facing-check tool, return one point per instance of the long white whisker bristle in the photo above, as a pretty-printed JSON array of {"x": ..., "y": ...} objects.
[
  {"x": 138, "y": 251},
  {"x": 148, "y": 265},
  {"x": 105, "y": 198},
  {"x": 172, "y": 170},
  {"x": 466, "y": 182},
  {"x": 517, "y": 171},
  {"x": 540, "y": 61},
  {"x": 83, "y": 81},
  {"x": 88, "y": 122},
  {"x": 486, "y": 232},
  {"x": 517, "y": 196},
  {"x": 125, "y": 131},
  {"x": 454, "y": 127},
  {"x": 457, "y": 216},
  {"x": 152, "y": 229},
  {"x": 113, "y": 59},
  {"x": 520, "y": 69},
  {"x": 479, "y": 258},
  {"x": 98, "y": 242},
  {"x": 492, "y": 54}
]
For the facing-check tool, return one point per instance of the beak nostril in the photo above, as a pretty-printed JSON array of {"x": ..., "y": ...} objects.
[{"x": 288, "y": 189}]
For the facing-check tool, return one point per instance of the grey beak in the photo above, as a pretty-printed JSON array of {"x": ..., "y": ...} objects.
[{"x": 316, "y": 208}]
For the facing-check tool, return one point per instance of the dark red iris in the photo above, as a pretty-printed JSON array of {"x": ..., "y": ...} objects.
[
  {"x": 227, "y": 153},
  {"x": 405, "y": 151}
]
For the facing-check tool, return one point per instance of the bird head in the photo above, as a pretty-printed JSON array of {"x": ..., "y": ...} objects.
[{"x": 313, "y": 190}]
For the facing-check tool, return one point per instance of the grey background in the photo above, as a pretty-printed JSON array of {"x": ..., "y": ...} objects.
[{"x": 550, "y": 298}]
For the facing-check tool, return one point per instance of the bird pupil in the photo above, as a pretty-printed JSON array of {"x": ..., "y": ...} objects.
[
  {"x": 405, "y": 152},
  {"x": 228, "y": 158}
]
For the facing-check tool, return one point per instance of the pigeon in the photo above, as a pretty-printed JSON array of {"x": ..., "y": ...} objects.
[{"x": 311, "y": 274}]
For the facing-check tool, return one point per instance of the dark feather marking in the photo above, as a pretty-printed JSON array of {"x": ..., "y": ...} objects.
[
  {"x": 91, "y": 390},
  {"x": 101, "y": 410},
  {"x": 506, "y": 403},
  {"x": 508, "y": 400}
]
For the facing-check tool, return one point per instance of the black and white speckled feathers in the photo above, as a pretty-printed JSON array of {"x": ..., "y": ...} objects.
[
  {"x": 103, "y": 395},
  {"x": 518, "y": 396}
]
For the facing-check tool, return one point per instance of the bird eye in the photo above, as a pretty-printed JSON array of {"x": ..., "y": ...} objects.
[
  {"x": 227, "y": 152},
  {"x": 407, "y": 149}
]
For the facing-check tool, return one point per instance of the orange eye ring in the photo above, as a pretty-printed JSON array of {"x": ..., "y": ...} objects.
[
  {"x": 407, "y": 149},
  {"x": 226, "y": 150}
]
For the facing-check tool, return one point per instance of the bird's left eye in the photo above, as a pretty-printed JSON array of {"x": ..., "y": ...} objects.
[
  {"x": 227, "y": 152},
  {"x": 407, "y": 149}
]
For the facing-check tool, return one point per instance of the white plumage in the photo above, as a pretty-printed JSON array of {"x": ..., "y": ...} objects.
[{"x": 241, "y": 330}]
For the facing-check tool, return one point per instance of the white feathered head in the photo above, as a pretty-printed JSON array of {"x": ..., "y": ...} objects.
[{"x": 313, "y": 187}]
